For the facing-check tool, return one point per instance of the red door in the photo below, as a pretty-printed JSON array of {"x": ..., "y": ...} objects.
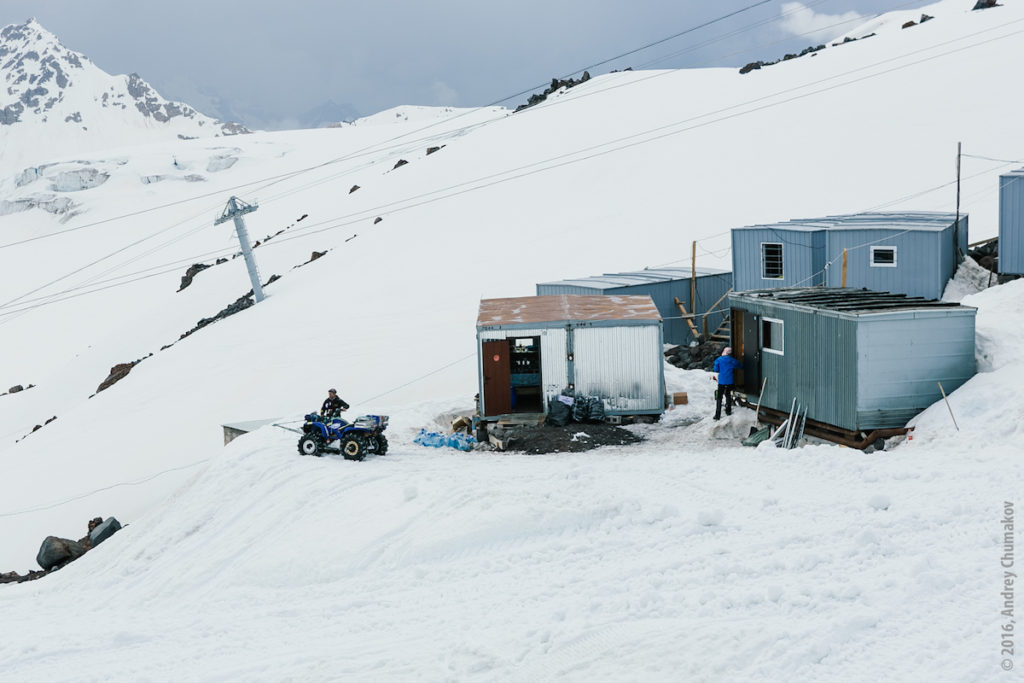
[{"x": 497, "y": 378}]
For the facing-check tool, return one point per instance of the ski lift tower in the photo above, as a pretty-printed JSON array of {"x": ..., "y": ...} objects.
[{"x": 234, "y": 210}]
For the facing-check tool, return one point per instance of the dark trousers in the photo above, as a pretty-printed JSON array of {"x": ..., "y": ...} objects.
[{"x": 726, "y": 391}]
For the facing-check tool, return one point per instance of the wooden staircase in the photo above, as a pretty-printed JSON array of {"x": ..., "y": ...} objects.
[{"x": 724, "y": 331}]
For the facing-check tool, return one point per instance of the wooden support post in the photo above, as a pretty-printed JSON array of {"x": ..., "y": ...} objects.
[
  {"x": 948, "y": 407},
  {"x": 844, "y": 268},
  {"x": 688, "y": 318},
  {"x": 693, "y": 278},
  {"x": 757, "y": 412}
]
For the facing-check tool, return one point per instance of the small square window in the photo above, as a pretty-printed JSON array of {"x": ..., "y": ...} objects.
[
  {"x": 771, "y": 260},
  {"x": 883, "y": 257},
  {"x": 772, "y": 335}
]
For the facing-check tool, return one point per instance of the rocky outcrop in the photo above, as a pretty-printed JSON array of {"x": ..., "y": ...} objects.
[
  {"x": 56, "y": 552},
  {"x": 753, "y": 66},
  {"x": 118, "y": 372},
  {"x": 556, "y": 85},
  {"x": 192, "y": 271}
]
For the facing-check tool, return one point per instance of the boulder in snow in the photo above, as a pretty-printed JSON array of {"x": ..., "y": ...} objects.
[
  {"x": 55, "y": 552},
  {"x": 104, "y": 530}
]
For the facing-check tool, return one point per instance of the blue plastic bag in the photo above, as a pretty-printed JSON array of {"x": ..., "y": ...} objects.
[{"x": 458, "y": 440}]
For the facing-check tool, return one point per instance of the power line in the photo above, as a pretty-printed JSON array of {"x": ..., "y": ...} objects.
[
  {"x": 503, "y": 176},
  {"x": 375, "y": 146}
]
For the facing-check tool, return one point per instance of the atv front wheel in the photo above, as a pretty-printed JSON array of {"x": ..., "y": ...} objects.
[
  {"x": 310, "y": 445},
  {"x": 382, "y": 444},
  {"x": 354, "y": 447}
]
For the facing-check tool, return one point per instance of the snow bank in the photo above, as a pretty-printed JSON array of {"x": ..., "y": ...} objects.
[
  {"x": 985, "y": 408},
  {"x": 664, "y": 565}
]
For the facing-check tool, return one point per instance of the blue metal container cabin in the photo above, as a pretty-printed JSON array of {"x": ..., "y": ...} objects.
[
  {"x": 1011, "y": 223},
  {"x": 531, "y": 348},
  {"x": 664, "y": 286},
  {"x": 909, "y": 253},
  {"x": 858, "y": 360}
]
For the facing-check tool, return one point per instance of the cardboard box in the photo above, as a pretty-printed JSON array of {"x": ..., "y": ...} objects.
[{"x": 679, "y": 398}]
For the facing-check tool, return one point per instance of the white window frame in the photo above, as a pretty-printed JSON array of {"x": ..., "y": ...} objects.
[
  {"x": 883, "y": 265},
  {"x": 782, "y": 261},
  {"x": 781, "y": 341}
]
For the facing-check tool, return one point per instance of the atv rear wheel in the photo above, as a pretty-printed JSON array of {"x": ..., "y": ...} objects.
[
  {"x": 310, "y": 445},
  {"x": 354, "y": 447},
  {"x": 382, "y": 444}
]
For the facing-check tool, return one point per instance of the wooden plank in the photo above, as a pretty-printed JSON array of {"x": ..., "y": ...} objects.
[{"x": 688, "y": 318}]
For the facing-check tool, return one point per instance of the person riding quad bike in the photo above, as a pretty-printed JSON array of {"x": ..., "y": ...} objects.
[
  {"x": 329, "y": 433},
  {"x": 333, "y": 406}
]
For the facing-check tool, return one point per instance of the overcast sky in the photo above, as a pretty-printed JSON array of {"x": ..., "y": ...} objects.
[{"x": 272, "y": 64}]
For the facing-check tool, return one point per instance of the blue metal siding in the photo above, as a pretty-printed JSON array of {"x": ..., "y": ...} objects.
[
  {"x": 1011, "y": 223},
  {"x": 924, "y": 261},
  {"x": 867, "y": 371},
  {"x": 926, "y": 253},
  {"x": 709, "y": 289},
  {"x": 904, "y": 356},
  {"x": 818, "y": 366},
  {"x": 798, "y": 256}
]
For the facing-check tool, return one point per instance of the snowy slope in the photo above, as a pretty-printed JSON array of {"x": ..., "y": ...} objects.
[
  {"x": 55, "y": 101},
  {"x": 676, "y": 555}
]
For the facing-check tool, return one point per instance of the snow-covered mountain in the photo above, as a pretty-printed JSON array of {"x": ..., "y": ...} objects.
[
  {"x": 684, "y": 558},
  {"x": 55, "y": 102}
]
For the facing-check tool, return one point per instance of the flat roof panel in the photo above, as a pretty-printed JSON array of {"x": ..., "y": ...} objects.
[
  {"x": 636, "y": 277},
  {"x": 845, "y": 300},
  {"x": 924, "y": 221},
  {"x": 565, "y": 307}
]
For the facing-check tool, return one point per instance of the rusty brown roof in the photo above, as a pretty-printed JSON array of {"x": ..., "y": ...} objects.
[{"x": 545, "y": 309}]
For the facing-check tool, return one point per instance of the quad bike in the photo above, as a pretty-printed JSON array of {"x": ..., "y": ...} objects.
[{"x": 354, "y": 439}]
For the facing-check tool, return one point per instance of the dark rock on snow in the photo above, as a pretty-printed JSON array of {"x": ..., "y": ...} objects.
[
  {"x": 192, "y": 271},
  {"x": 117, "y": 373},
  {"x": 15, "y": 389},
  {"x": 56, "y": 552},
  {"x": 104, "y": 530}
]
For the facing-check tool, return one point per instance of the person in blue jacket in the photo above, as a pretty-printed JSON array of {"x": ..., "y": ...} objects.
[{"x": 725, "y": 366}]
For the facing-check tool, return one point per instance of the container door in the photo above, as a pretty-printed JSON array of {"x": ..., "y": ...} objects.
[
  {"x": 497, "y": 378},
  {"x": 745, "y": 348}
]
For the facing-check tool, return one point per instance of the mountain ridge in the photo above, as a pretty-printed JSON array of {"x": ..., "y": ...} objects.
[{"x": 57, "y": 101}]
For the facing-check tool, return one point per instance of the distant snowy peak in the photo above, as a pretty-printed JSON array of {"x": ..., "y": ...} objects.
[{"x": 45, "y": 83}]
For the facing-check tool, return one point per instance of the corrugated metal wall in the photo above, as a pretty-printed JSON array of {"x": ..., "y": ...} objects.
[
  {"x": 924, "y": 261},
  {"x": 818, "y": 366},
  {"x": 623, "y": 364},
  {"x": 1011, "y": 223},
  {"x": 798, "y": 258},
  {"x": 869, "y": 371},
  {"x": 709, "y": 289},
  {"x": 554, "y": 370},
  {"x": 904, "y": 356}
]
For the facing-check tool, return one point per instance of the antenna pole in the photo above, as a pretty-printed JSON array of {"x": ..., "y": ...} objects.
[{"x": 956, "y": 226}]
